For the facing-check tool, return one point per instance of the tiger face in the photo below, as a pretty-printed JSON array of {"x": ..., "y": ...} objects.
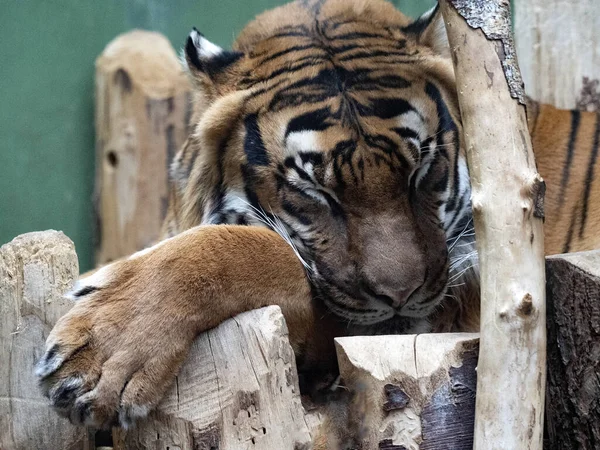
[{"x": 335, "y": 124}]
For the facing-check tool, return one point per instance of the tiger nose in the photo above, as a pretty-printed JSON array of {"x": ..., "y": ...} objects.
[{"x": 394, "y": 296}]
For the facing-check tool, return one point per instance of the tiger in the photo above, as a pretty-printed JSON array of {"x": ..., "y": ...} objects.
[{"x": 325, "y": 173}]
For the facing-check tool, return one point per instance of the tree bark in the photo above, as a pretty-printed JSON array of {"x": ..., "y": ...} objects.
[
  {"x": 557, "y": 43},
  {"x": 237, "y": 390},
  {"x": 35, "y": 270},
  {"x": 573, "y": 393},
  {"x": 507, "y": 202},
  {"x": 414, "y": 392},
  {"x": 142, "y": 113}
]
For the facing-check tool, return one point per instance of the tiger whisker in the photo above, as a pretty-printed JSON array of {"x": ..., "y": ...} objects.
[{"x": 277, "y": 226}]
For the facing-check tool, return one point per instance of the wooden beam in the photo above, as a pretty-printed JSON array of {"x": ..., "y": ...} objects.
[
  {"x": 507, "y": 202},
  {"x": 573, "y": 394},
  {"x": 35, "y": 270},
  {"x": 142, "y": 112}
]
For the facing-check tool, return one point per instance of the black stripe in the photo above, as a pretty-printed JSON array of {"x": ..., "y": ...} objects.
[
  {"x": 85, "y": 291},
  {"x": 589, "y": 178},
  {"x": 255, "y": 150},
  {"x": 192, "y": 53},
  {"x": 445, "y": 119},
  {"x": 217, "y": 63},
  {"x": 295, "y": 48},
  {"x": 359, "y": 35},
  {"x": 445, "y": 123},
  {"x": 291, "y": 31},
  {"x": 567, "y": 246},
  {"x": 385, "y": 108},
  {"x": 296, "y": 211},
  {"x": 372, "y": 54},
  {"x": 312, "y": 121},
  {"x": 406, "y": 133},
  {"x": 575, "y": 118},
  {"x": 250, "y": 83},
  {"x": 302, "y": 63}
]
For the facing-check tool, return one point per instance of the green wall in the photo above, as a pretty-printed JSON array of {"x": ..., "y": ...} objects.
[{"x": 47, "y": 54}]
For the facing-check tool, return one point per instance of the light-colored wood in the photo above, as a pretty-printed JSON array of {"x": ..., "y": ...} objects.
[
  {"x": 35, "y": 270},
  {"x": 237, "y": 390},
  {"x": 507, "y": 201},
  {"x": 558, "y": 43},
  {"x": 573, "y": 394},
  {"x": 142, "y": 111},
  {"x": 415, "y": 392}
]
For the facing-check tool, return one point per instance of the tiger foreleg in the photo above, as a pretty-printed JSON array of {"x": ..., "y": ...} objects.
[{"x": 113, "y": 356}]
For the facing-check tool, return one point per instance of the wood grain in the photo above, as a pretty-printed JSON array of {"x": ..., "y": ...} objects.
[
  {"x": 237, "y": 390},
  {"x": 557, "y": 43},
  {"x": 507, "y": 195},
  {"x": 413, "y": 392},
  {"x": 35, "y": 270},
  {"x": 573, "y": 392},
  {"x": 142, "y": 112}
]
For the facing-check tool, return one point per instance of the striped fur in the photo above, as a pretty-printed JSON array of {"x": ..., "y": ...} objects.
[
  {"x": 335, "y": 123},
  {"x": 566, "y": 147}
]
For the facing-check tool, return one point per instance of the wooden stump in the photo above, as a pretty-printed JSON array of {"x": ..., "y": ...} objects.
[
  {"x": 573, "y": 392},
  {"x": 142, "y": 113},
  {"x": 237, "y": 390},
  {"x": 409, "y": 392},
  {"x": 35, "y": 270}
]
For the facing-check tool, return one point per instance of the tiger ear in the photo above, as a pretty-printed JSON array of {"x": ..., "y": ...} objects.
[
  {"x": 429, "y": 30},
  {"x": 206, "y": 60}
]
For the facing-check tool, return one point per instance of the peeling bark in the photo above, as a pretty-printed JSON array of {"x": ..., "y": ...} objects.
[{"x": 493, "y": 18}]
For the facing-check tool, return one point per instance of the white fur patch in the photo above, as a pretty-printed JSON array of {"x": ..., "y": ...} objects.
[
  {"x": 301, "y": 141},
  {"x": 98, "y": 279},
  {"x": 149, "y": 249},
  {"x": 236, "y": 201},
  {"x": 413, "y": 121},
  {"x": 205, "y": 48}
]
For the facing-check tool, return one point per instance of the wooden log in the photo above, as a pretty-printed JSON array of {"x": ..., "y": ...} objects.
[
  {"x": 557, "y": 43},
  {"x": 408, "y": 392},
  {"x": 507, "y": 201},
  {"x": 142, "y": 112},
  {"x": 237, "y": 390},
  {"x": 35, "y": 270},
  {"x": 573, "y": 393}
]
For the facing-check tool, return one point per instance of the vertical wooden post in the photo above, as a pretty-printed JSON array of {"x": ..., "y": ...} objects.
[
  {"x": 35, "y": 270},
  {"x": 557, "y": 43},
  {"x": 142, "y": 111},
  {"x": 507, "y": 201}
]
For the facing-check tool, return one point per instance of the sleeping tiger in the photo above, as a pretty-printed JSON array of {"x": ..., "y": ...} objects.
[{"x": 332, "y": 127}]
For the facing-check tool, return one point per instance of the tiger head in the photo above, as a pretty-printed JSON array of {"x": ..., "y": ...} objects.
[{"x": 335, "y": 123}]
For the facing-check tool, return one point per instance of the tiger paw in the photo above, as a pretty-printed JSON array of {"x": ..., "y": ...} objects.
[{"x": 110, "y": 360}]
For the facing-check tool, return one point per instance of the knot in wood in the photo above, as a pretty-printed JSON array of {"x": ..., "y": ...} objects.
[
  {"x": 396, "y": 398},
  {"x": 525, "y": 308}
]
